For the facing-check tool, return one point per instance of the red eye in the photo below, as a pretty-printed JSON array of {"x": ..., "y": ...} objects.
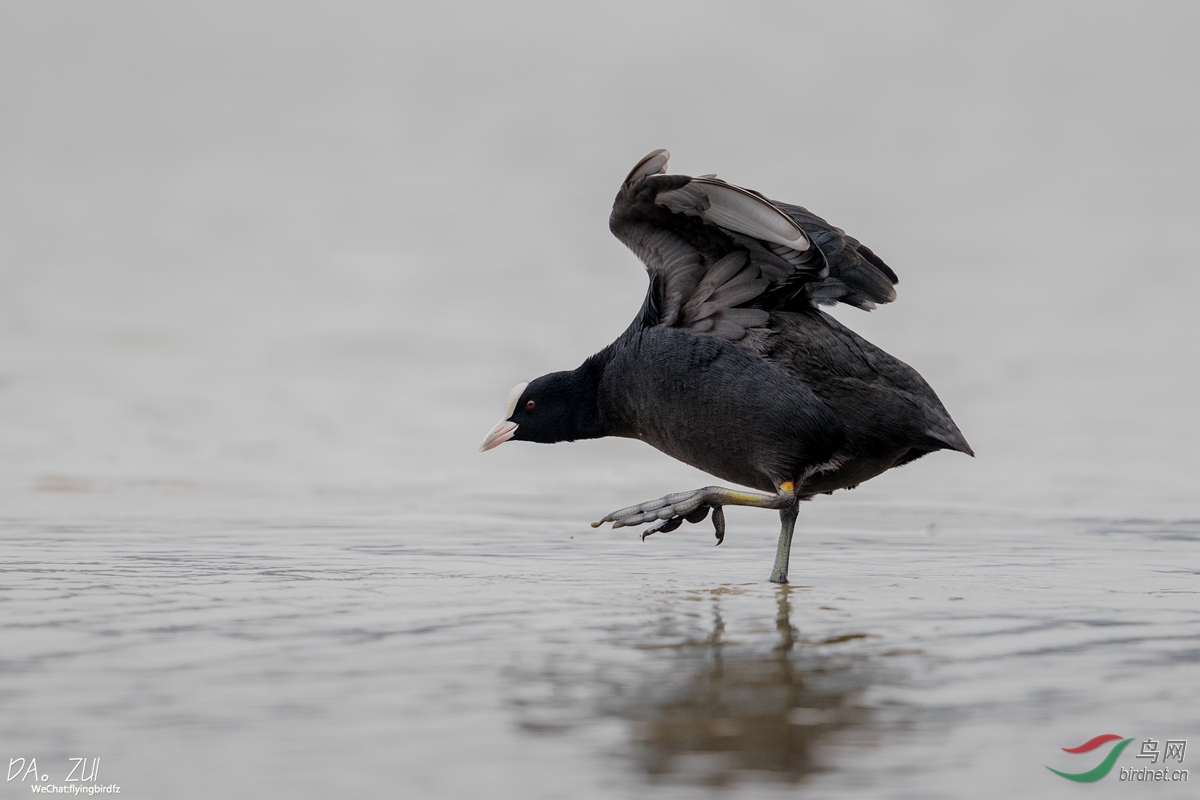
[{"x": 530, "y": 404}]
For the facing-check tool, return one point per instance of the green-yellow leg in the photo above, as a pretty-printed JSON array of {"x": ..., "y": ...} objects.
[{"x": 787, "y": 521}]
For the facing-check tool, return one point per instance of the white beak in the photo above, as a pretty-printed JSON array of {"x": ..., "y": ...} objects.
[{"x": 504, "y": 430}]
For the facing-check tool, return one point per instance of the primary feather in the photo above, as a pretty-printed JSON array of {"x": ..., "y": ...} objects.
[{"x": 712, "y": 248}]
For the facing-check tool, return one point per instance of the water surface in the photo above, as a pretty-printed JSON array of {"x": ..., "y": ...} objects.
[{"x": 919, "y": 652}]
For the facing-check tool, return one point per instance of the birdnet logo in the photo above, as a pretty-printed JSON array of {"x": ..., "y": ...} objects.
[{"x": 1173, "y": 749}]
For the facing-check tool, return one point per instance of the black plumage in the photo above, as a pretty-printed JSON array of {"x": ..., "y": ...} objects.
[{"x": 731, "y": 367}]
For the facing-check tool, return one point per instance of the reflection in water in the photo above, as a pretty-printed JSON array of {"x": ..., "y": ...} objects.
[
  {"x": 725, "y": 710},
  {"x": 712, "y": 711}
]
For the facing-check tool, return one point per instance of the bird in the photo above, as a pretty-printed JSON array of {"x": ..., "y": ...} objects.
[{"x": 732, "y": 367}]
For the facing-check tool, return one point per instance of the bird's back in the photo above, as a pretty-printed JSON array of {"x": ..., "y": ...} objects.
[
  {"x": 889, "y": 413},
  {"x": 715, "y": 405}
]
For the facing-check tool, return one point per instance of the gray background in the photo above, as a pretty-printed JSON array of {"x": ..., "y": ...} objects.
[
  {"x": 306, "y": 245},
  {"x": 278, "y": 263}
]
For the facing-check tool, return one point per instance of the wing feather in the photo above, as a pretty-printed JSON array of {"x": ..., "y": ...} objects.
[
  {"x": 721, "y": 257},
  {"x": 856, "y": 275}
]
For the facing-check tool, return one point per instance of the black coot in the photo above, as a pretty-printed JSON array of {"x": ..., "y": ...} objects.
[{"x": 731, "y": 367}]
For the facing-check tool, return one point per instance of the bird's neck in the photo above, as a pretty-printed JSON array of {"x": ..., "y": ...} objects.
[{"x": 583, "y": 384}]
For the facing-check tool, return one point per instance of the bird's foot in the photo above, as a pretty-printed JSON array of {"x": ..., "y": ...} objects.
[
  {"x": 680, "y": 504},
  {"x": 668, "y": 525},
  {"x": 671, "y": 511}
]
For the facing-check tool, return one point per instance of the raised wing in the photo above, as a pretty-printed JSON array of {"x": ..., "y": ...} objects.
[
  {"x": 721, "y": 257},
  {"x": 855, "y": 275}
]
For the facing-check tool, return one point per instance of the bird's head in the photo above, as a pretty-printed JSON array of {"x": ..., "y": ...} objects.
[{"x": 559, "y": 407}]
